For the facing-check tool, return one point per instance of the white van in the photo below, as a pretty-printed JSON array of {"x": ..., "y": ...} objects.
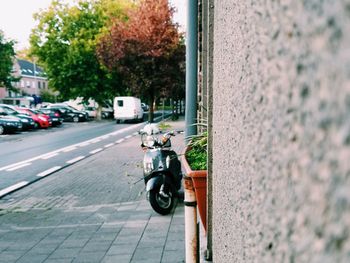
[{"x": 127, "y": 108}]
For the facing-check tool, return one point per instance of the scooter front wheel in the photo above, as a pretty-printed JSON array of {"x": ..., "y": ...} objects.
[{"x": 161, "y": 204}]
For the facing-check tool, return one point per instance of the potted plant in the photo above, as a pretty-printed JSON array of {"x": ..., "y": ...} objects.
[{"x": 194, "y": 161}]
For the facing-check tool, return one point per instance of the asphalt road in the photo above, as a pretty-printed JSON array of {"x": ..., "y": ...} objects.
[{"x": 27, "y": 157}]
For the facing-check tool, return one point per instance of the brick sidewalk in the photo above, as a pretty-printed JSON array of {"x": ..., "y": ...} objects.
[{"x": 81, "y": 214}]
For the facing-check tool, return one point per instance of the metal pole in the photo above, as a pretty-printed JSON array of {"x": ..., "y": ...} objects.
[
  {"x": 191, "y": 230},
  {"x": 191, "y": 68}
]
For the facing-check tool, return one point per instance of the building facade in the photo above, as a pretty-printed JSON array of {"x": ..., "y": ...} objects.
[
  {"x": 32, "y": 81},
  {"x": 279, "y": 118}
]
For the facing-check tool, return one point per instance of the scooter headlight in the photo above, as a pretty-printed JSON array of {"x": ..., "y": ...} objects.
[
  {"x": 148, "y": 141},
  {"x": 148, "y": 167}
]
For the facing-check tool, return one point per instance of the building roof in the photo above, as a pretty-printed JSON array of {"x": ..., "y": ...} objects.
[{"x": 29, "y": 69}]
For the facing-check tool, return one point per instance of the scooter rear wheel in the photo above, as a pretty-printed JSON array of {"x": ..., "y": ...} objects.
[{"x": 160, "y": 204}]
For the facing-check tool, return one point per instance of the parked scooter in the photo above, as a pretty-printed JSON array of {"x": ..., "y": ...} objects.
[{"x": 161, "y": 169}]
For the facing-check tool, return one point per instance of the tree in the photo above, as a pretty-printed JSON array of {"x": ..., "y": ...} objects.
[
  {"x": 7, "y": 54},
  {"x": 65, "y": 43},
  {"x": 141, "y": 49},
  {"x": 24, "y": 54},
  {"x": 175, "y": 70}
]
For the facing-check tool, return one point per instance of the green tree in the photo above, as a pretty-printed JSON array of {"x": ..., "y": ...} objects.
[
  {"x": 65, "y": 43},
  {"x": 7, "y": 54},
  {"x": 141, "y": 50}
]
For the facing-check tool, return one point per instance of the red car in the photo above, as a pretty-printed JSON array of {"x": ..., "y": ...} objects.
[{"x": 41, "y": 120}]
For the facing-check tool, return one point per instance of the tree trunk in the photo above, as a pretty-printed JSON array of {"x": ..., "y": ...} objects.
[
  {"x": 99, "y": 112},
  {"x": 151, "y": 109}
]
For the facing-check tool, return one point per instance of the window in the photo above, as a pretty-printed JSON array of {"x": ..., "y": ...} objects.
[
  {"x": 44, "y": 85},
  {"x": 39, "y": 84},
  {"x": 28, "y": 84},
  {"x": 120, "y": 103}
]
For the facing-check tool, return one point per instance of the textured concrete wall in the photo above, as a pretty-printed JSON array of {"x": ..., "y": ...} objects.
[{"x": 281, "y": 128}]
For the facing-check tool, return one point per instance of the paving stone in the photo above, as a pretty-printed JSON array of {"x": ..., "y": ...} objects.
[
  {"x": 21, "y": 246},
  {"x": 8, "y": 257},
  {"x": 173, "y": 257},
  {"x": 27, "y": 258},
  {"x": 121, "y": 249},
  {"x": 64, "y": 253},
  {"x": 131, "y": 231},
  {"x": 57, "y": 260},
  {"x": 89, "y": 257},
  {"x": 74, "y": 243},
  {"x": 146, "y": 254},
  {"x": 127, "y": 239},
  {"x": 96, "y": 247},
  {"x": 175, "y": 245},
  {"x": 149, "y": 260},
  {"x": 44, "y": 248},
  {"x": 97, "y": 237},
  {"x": 117, "y": 259}
]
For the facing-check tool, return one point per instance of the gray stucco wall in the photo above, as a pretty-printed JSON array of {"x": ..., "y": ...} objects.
[{"x": 281, "y": 131}]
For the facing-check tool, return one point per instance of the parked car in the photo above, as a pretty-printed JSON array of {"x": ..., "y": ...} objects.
[
  {"x": 69, "y": 113},
  {"x": 107, "y": 110},
  {"x": 41, "y": 120},
  {"x": 9, "y": 124},
  {"x": 55, "y": 116},
  {"x": 91, "y": 112},
  {"x": 144, "y": 106},
  {"x": 27, "y": 121},
  {"x": 127, "y": 108}
]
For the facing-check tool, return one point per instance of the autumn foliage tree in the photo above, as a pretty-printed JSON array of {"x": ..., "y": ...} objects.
[{"x": 143, "y": 49}]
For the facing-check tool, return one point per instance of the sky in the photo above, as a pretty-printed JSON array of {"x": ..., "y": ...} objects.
[{"x": 16, "y": 18}]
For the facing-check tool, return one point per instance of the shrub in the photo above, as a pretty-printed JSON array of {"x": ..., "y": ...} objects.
[{"x": 197, "y": 153}]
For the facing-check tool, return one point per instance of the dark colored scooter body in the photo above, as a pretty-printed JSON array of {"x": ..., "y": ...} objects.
[{"x": 162, "y": 174}]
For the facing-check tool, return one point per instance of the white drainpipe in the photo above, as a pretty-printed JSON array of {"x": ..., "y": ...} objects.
[{"x": 191, "y": 233}]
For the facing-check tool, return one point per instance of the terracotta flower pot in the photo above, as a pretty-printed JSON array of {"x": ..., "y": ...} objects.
[{"x": 199, "y": 178}]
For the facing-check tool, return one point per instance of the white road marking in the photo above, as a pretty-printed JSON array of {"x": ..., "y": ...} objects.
[
  {"x": 49, "y": 156},
  {"x": 96, "y": 150},
  {"x": 74, "y": 145},
  {"x": 18, "y": 167},
  {"x": 109, "y": 145},
  {"x": 4, "y": 136},
  {"x": 84, "y": 144},
  {"x": 69, "y": 149},
  {"x": 12, "y": 188},
  {"x": 96, "y": 140},
  {"x": 76, "y": 159},
  {"x": 128, "y": 137},
  {"x": 135, "y": 133},
  {"x": 119, "y": 141},
  {"x": 49, "y": 171}
]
